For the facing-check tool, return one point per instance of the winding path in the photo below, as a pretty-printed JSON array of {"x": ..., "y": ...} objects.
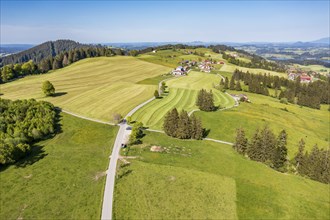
[{"x": 122, "y": 136}]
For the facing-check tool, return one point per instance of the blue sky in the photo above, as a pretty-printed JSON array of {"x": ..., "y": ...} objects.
[{"x": 150, "y": 21}]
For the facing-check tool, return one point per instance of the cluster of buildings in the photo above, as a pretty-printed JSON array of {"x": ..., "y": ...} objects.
[
  {"x": 204, "y": 66},
  {"x": 293, "y": 74}
]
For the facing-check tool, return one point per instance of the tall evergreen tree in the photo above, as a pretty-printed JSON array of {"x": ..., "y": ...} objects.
[
  {"x": 280, "y": 156},
  {"x": 238, "y": 86},
  {"x": 241, "y": 143},
  {"x": 300, "y": 156},
  {"x": 170, "y": 125},
  {"x": 232, "y": 83},
  {"x": 226, "y": 85},
  {"x": 183, "y": 131}
]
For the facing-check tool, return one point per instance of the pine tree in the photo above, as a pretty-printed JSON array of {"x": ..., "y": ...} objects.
[
  {"x": 281, "y": 151},
  {"x": 170, "y": 125},
  {"x": 300, "y": 157},
  {"x": 222, "y": 82},
  {"x": 232, "y": 83},
  {"x": 253, "y": 150},
  {"x": 268, "y": 144},
  {"x": 183, "y": 131},
  {"x": 238, "y": 86},
  {"x": 241, "y": 143},
  {"x": 226, "y": 86},
  {"x": 196, "y": 128}
]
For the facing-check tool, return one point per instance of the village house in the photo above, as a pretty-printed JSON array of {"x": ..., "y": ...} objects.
[
  {"x": 240, "y": 97},
  {"x": 181, "y": 71}
]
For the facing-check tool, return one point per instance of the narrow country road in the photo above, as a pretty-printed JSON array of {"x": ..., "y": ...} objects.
[
  {"x": 122, "y": 136},
  {"x": 107, "y": 206}
]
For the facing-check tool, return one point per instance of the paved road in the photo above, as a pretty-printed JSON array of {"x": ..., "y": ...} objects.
[
  {"x": 123, "y": 134},
  {"x": 111, "y": 172}
]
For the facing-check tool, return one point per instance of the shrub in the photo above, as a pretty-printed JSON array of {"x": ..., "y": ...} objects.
[{"x": 284, "y": 100}]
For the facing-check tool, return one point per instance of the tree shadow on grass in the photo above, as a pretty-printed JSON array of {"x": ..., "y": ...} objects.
[
  {"x": 59, "y": 94},
  {"x": 37, "y": 153}
]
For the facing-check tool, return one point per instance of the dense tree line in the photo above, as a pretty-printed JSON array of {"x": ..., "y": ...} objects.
[
  {"x": 265, "y": 147},
  {"x": 205, "y": 101},
  {"x": 61, "y": 60},
  {"x": 42, "y": 51},
  {"x": 305, "y": 94},
  {"x": 182, "y": 125},
  {"x": 21, "y": 123},
  {"x": 315, "y": 165}
]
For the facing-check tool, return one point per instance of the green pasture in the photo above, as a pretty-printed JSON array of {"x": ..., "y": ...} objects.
[
  {"x": 95, "y": 87},
  {"x": 195, "y": 179},
  {"x": 63, "y": 177}
]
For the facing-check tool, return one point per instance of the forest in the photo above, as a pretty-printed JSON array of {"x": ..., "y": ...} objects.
[
  {"x": 265, "y": 147},
  {"x": 22, "y": 123},
  {"x": 310, "y": 95}
]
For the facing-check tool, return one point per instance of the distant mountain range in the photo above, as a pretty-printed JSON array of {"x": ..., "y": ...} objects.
[{"x": 18, "y": 53}]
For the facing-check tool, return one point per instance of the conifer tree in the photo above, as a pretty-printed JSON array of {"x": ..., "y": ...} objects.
[
  {"x": 255, "y": 145},
  {"x": 238, "y": 86},
  {"x": 183, "y": 131},
  {"x": 241, "y": 142},
  {"x": 170, "y": 125},
  {"x": 232, "y": 83},
  {"x": 281, "y": 151},
  {"x": 226, "y": 86},
  {"x": 300, "y": 157},
  {"x": 196, "y": 128}
]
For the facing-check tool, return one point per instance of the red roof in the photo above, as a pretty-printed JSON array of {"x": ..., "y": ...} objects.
[{"x": 305, "y": 77}]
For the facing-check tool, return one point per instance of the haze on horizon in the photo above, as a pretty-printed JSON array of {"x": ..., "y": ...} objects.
[{"x": 35, "y": 22}]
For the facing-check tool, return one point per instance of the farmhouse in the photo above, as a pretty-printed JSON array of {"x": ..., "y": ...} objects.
[
  {"x": 240, "y": 97},
  {"x": 180, "y": 71},
  {"x": 206, "y": 66}
]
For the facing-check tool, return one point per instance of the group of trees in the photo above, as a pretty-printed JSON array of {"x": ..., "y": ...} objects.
[
  {"x": 311, "y": 95},
  {"x": 205, "y": 101},
  {"x": 23, "y": 122},
  {"x": 13, "y": 71},
  {"x": 264, "y": 147},
  {"x": 182, "y": 125},
  {"x": 315, "y": 165},
  {"x": 305, "y": 94}
]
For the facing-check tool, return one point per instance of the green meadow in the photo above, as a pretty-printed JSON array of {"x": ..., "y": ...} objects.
[
  {"x": 95, "y": 87},
  {"x": 182, "y": 94},
  {"x": 202, "y": 179},
  {"x": 299, "y": 122},
  {"x": 63, "y": 177}
]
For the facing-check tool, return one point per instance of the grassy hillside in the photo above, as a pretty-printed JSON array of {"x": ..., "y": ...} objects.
[
  {"x": 168, "y": 192},
  {"x": 183, "y": 93},
  {"x": 299, "y": 122},
  {"x": 63, "y": 177},
  {"x": 209, "y": 171},
  {"x": 228, "y": 67},
  {"x": 96, "y": 87}
]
